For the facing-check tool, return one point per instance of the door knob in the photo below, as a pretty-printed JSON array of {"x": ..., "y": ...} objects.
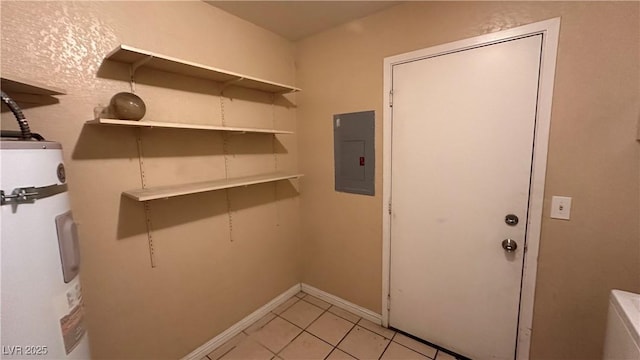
[{"x": 509, "y": 245}]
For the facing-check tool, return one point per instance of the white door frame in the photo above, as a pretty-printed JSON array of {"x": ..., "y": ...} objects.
[{"x": 550, "y": 30}]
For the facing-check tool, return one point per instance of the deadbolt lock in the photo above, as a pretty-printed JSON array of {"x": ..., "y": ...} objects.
[{"x": 511, "y": 220}]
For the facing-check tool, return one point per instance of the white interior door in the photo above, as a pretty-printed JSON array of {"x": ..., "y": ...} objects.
[{"x": 462, "y": 143}]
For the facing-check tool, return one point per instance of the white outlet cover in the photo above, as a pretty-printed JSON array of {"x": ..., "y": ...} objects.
[{"x": 561, "y": 207}]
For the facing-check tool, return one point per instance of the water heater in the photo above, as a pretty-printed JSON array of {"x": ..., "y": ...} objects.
[
  {"x": 42, "y": 311},
  {"x": 41, "y": 307}
]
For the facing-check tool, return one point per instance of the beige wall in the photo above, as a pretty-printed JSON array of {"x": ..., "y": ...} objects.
[
  {"x": 593, "y": 156},
  {"x": 203, "y": 282}
]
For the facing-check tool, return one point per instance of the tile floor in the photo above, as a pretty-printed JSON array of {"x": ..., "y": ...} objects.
[{"x": 305, "y": 327}]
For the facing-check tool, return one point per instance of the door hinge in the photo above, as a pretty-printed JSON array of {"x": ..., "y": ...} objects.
[
  {"x": 388, "y": 302},
  {"x": 389, "y": 207},
  {"x": 391, "y": 98}
]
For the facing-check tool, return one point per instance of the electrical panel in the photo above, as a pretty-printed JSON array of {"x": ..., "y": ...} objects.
[{"x": 354, "y": 152}]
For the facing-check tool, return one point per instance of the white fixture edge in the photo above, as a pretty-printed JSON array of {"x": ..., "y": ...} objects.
[
  {"x": 238, "y": 327},
  {"x": 168, "y": 191},
  {"x": 342, "y": 303},
  {"x": 174, "y": 125},
  {"x": 550, "y": 29},
  {"x": 186, "y": 65}
]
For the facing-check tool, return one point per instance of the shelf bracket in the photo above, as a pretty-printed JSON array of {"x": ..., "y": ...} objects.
[
  {"x": 226, "y": 84},
  {"x": 284, "y": 92},
  {"x": 132, "y": 70}
]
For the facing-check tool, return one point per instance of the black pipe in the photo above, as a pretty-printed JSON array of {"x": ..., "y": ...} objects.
[
  {"x": 18, "y": 135},
  {"x": 22, "y": 121}
]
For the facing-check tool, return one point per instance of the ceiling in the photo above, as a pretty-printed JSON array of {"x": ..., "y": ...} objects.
[{"x": 295, "y": 20}]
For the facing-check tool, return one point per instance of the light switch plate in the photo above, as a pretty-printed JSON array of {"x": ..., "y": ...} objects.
[{"x": 561, "y": 207}]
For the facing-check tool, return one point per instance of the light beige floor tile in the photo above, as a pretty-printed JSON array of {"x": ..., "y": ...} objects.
[
  {"x": 248, "y": 349},
  {"x": 205, "y": 358},
  {"x": 226, "y": 347},
  {"x": 301, "y": 294},
  {"x": 276, "y": 334},
  {"x": 260, "y": 323},
  {"x": 376, "y": 328},
  {"x": 363, "y": 344},
  {"x": 330, "y": 328},
  {"x": 338, "y": 354},
  {"x": 306, "y": 347},
  {"x": 444, "y": 356},
  {"x": 302, "y": 313},
  {"x": 317, "y": 302},
  {"x": 398, "y": 352},
  {"x": 344, "y": 314},
  {"x": 285, "y": 305},
  {"x": 414, "y": 345}
]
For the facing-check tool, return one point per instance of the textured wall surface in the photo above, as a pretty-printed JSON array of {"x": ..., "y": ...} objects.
[
  {"x": 593, "y": 156},
  {"x": 209, "y": 275},
  {"x": 204, "y": 282}
]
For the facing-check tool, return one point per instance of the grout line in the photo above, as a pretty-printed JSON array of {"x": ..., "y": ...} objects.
[
  {"x": 304, "y": 330},
  {"x": 390, "y": 338},
  {"x": 330, "y": 352},
  {"x": 292, "y": 340},
  {"x": 290, "y": 322},
  {"x": 225, "y": 353},
  {"x": 328, "y": 303},
  {"x": 350, "y": 354},
  {"x": 415, "y": 351},
  {"x": 287, "y": 308},
  {"x": 244, "y": 331},
  {"x": 344, "y": 337},
  {"x": 264, "y": 347},
  {"x": 310, "y": 303},
  {"x": 385, "y": 349},
  {"x": 350, "y": 307},
  {"x": 353, "y": 326},
  {"x": 298, "y": 326},
  {"x": 324, "y": 311},
  {"x": 438, "y": 348},
  {"x": 312, "y": 321},
  {"x": 320, "y": 340},
  {"x": 359, "y": 318}
]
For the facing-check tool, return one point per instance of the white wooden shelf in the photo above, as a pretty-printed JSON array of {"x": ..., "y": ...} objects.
[
  {"x": 12, "y": 84},
  {"x": 164, "y": 192},
  {"x": 142, "y": 58},
  {"x": 172, "y": 125}
]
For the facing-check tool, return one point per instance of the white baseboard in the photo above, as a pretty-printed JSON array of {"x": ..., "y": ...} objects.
[
  {"x": 342, "y": 303},
  {"x": 236, "y": 328}
]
